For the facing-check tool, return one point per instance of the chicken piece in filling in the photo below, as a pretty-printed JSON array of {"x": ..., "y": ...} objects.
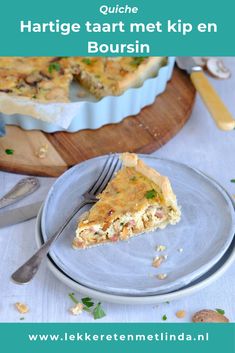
[{"x": 122, "y": 228}]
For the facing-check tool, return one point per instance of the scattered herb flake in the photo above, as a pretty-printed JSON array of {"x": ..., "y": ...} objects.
[
  {"x": 98, "y": 312},
  {"x": 220, "y": 311},
  {"x": 232, "y": 180},
  {"x": 87, "y": 302},
  {"x": 9, "y": 151},
  {"x": 164, "y": 318},
  {"x": 167, "y": 302},
  {"x": 86, "y": 61},
  {"x": 72, "y": 297},
  {"x": 136, "y": 61},
  {"x": 54, "y": 67},
  {"x": 133, "y": 178},
  {"x": 150, "y": 194},
  {"x": 21, "y": 318},
  {"x": 87, "y": 309}
]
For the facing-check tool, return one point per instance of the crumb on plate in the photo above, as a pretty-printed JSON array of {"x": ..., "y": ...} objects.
[
  {"x": 162, "y": 276},
  {"x": 161, "y": 247},
  {"x": 157, "y": 261}
]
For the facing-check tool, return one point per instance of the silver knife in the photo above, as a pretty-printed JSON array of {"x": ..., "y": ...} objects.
[
  {"x": 20, "y": 214},
  {"x": 22, "y": 189},
  {"x": 213, "y": 102},
  {"x": 2, "y": 129}
]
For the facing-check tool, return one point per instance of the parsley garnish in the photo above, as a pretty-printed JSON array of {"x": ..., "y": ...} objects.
[
  {"x": 133, "y": 178},
  {"x": 87, "y": 302},
  {"x": 232, "y": 180},
  {"x": 9, "y": 151},
  {"x": 21, "y": 318},
  {"x": 72, "y": 297},
  {"x": 137, "y": 60},
  {"x": 98, "y": 312},
  {"x": 164, "y": 318},
  {"x": 54, "y": 66},
  {"x": 220, "y": 311},
  {"x": 150, "y": 194},
  {"x": 86, "y": 61}
]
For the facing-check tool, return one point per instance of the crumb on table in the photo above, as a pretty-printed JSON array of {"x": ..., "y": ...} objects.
[{"x": 22, "y": 308}]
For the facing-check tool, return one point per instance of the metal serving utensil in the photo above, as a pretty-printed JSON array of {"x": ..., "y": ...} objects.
[
  {"x": 22, "y": 189},
  {"x": 2, "y": 128},
  {"x": 19, "y": 214},
  {"x": 219, "y": 112},
  {"x": 28, "y": 270}
]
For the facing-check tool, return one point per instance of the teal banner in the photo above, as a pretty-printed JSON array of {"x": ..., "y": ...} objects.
[
  {"x": 114, "y": 28},
  {"x": 116, "y": 338}
]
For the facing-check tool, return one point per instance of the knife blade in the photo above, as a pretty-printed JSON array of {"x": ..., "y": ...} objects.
[
  {"x": 187, "y": 63},
  {"x": 2, "y": 129},
  {"x": 20, "y": 214},
  {"x": 219, "y": 112}
]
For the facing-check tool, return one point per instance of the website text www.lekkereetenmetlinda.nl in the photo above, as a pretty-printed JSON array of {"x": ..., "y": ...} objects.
[{"x": 114, "y": 337}]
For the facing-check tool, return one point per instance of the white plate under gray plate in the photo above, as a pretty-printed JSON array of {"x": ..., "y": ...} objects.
[
  {"x": 124, "y": 268},
  {"x": 208, "y": 278}
]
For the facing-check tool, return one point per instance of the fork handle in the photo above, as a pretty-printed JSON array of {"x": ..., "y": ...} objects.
[
  {"x": 27, "y": 271},
  {"x": 213, "y": 102}
]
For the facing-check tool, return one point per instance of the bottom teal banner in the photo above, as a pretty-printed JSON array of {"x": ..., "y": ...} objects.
[{"x": 117, "y": 338}]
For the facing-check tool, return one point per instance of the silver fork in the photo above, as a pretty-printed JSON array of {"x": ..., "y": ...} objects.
[{"x": 27, "y": 271}]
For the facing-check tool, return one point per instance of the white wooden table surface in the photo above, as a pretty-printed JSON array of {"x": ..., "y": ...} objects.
[{"x": 199, "y": 144}]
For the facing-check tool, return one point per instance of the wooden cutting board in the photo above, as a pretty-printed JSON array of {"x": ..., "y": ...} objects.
[{"x": 143, "y": 133}]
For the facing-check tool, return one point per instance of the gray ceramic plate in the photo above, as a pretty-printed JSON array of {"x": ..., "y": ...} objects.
[
  {"x": 205, "y": 233},
  {"x": 208, "y": 278}
]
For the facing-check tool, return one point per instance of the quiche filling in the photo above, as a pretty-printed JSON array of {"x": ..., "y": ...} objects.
[
  {"x": 104, "y": 76},
  {"x": 45, "y": 79},
  {"x": 48, "y": 79},
  {"x": 137, "y": 200}
]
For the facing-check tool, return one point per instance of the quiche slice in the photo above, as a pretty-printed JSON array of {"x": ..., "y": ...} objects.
[
  {"x": 138, "y": 199},
  {"x": 111, "y": 76}
]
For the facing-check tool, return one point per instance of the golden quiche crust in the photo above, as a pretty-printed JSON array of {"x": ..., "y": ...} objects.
[{"x": 138, "y": 199}]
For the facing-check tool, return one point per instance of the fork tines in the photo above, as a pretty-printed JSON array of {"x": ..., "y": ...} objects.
[{"x": 111, "y": 166}]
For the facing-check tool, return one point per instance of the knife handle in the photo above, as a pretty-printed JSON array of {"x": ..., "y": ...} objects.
[
  {"x": 213, "y": 102},
  {"x": 22, "y": 189}
]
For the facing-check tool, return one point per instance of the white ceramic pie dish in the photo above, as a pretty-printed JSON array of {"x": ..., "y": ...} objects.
[{"x": 89, "y": 113}]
